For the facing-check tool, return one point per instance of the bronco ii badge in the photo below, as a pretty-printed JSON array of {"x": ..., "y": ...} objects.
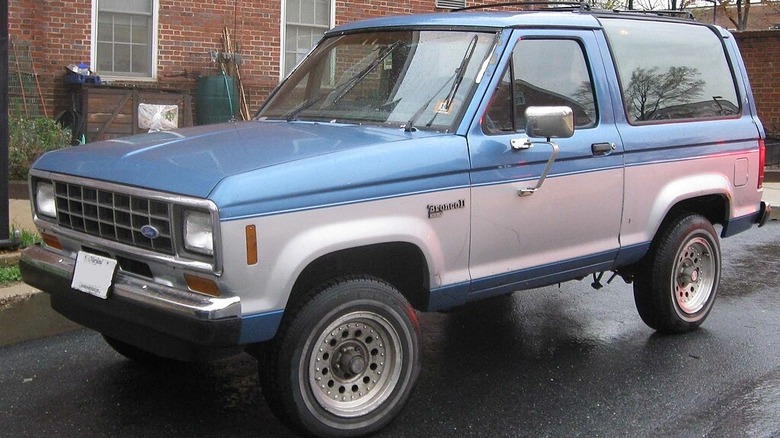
[{"x": 439, "y": 209}]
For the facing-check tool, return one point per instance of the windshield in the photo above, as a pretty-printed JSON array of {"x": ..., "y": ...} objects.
[{"x": 412, "y": 79}]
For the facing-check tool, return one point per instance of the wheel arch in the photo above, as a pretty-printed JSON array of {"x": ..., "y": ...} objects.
[
  {"x": 714, "y": 207},
  {"x": 708, "y": 195},
  {"x": 402, "y": 264}
]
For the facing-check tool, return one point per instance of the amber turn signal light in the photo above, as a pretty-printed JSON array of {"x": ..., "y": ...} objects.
[
  {"x": 202, "y": 285},
  {"x": 51, "y": 241},
  {"x": 251, "y": 245}
]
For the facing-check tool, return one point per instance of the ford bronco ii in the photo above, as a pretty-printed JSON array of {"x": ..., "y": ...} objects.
[{"x": 409, "y": 163}]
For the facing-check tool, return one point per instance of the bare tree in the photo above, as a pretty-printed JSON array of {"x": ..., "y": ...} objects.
[
  {"x": 737, "y": 11},
  {"x": 650, "y": 90},
  {"x": 646, "y": 5}
]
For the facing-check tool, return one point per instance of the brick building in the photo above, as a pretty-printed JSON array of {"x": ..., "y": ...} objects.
[
  {"x": 761, "y": 52},
  {"x": 165, "y": 45}
]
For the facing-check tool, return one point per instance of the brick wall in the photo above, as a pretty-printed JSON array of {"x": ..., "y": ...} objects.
[
  {"x": 59, "y": 32},
  {"x": 761, "y": 52}
]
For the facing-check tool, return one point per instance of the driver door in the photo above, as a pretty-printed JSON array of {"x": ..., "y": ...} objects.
[{"x": 569, "y": 226}]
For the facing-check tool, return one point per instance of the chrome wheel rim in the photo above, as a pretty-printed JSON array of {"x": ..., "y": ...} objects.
[
  {"x": 355, "y": 364},
  {"x": 694, "y": 275}
]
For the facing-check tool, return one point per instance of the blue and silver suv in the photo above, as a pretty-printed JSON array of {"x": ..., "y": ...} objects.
[{"x": 410, "y": 163}]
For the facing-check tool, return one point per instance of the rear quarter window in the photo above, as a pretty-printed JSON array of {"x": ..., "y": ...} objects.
[{"x": 671, "y": 71}]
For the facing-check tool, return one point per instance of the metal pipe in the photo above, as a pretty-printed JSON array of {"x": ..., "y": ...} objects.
[{"x": 5, "y": 228}]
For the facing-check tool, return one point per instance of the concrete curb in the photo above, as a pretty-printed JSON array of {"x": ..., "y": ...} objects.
[
  {"x": 27, "y": 315},
  {"x": 9, "y": 258},
  {"x": 26, "y": 312}
]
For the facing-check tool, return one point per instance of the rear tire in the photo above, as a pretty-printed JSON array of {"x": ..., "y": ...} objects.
[
  {"x": 344, "y": 361},
  {"x": 676, "y": 284}
]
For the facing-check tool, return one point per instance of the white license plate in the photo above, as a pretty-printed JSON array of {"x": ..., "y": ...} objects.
[{"x": 93, "y": 274}]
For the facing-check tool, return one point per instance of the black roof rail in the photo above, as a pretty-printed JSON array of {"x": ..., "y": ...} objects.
[
  {"x": 561, "y": 5},
  {"x": 581, "y": 6},
  {"x": 659, "y": 12}
]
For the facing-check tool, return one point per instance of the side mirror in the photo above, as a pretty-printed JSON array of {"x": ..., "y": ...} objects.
[{"x": 549, "y": 121}]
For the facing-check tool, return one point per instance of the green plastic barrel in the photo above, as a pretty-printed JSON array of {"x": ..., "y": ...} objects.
[{"x": 217, "y": 99}]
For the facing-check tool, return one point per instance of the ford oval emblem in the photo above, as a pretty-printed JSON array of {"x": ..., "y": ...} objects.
[{"x": 150, "y": 232}]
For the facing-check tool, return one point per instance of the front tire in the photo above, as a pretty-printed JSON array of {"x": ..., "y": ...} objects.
[
  {"x": 344, "y": 361},
  {"x": 676, "y": 284}
]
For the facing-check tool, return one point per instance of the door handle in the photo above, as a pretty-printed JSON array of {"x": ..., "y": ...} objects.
[{"x": 602, "y": 148}]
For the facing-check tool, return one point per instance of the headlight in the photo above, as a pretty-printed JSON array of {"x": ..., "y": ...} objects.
[
  {"x": 198, "y": 232},
  {"x": 45, "y": 201}
]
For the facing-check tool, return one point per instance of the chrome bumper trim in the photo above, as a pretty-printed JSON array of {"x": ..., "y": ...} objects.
[{"x": 182, "y": 302}]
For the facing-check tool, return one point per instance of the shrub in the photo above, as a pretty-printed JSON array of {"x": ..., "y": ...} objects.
[{"x": 29, "y": 139}]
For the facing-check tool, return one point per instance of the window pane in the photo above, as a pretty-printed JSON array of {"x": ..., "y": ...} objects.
[
  {"x": 498, "y": 117},
  {"x": 122, "y": 57},
  {"x": 291, "y": 40},
  {"x": 105, "y": 30},
  {"x": 140, "y": 32},
  {"x": 315, "y": 37},
  {"x": 140, "y": 59},
  {"x": 290, "y": 62},
  {"x": 307, "y": 11},
  {"x": 562, "y": 79},
  {"x": 136, "y": 6},
  {"x": 293, "y": 11},
  {"x": 105, "y": 57},
  {"x": 304, "y": 39},
  {"x": 692, "y": 82},
  {"x": 122, "y": 29},
  {"x": 322, "y": 13}
]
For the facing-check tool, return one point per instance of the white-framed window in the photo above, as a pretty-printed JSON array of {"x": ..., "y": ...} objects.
[
  {"x": 303, "y": 24},
  {"x": 124, "y": 38}
]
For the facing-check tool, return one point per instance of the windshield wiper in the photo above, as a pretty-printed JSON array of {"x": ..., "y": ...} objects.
[
  {"x": 342, "y": 89},
  {"x": 458, "y": 76},
  {"x": 461, "y": 73},
  {"x": 354, "y": 80},
  {"x": 293, "y": 113}
]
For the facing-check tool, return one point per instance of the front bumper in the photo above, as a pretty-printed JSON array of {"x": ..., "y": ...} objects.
[{"x": 166, "y": 321}]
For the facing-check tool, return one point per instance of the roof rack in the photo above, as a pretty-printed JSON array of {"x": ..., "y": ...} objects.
[
  {"x": 581, "y": 6},
  {"x": 661, "y": 12},
  {"x": 562, "y": 5}
]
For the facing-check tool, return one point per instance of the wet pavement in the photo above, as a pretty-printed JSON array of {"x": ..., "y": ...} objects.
[{"x": 568, "y": 361}]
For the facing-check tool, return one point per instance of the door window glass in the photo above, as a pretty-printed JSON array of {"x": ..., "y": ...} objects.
[{"x": 543, "y": 72}]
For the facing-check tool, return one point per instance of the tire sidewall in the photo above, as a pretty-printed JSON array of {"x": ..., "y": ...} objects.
[
  {"x": 342, "y": 298},
  {"x": 683, "y": 231}
]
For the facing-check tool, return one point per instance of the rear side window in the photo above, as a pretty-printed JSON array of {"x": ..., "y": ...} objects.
[{"x": 671, "y": 71}]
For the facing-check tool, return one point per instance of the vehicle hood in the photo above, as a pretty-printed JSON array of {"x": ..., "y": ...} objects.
[{"x": 278, "y": 155}]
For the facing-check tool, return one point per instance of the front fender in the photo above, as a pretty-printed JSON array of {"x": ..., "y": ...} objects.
[{"x": 288, "y": 243}]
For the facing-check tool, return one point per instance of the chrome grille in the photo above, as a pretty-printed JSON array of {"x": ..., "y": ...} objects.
[{"x": 114, "y": 216}]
